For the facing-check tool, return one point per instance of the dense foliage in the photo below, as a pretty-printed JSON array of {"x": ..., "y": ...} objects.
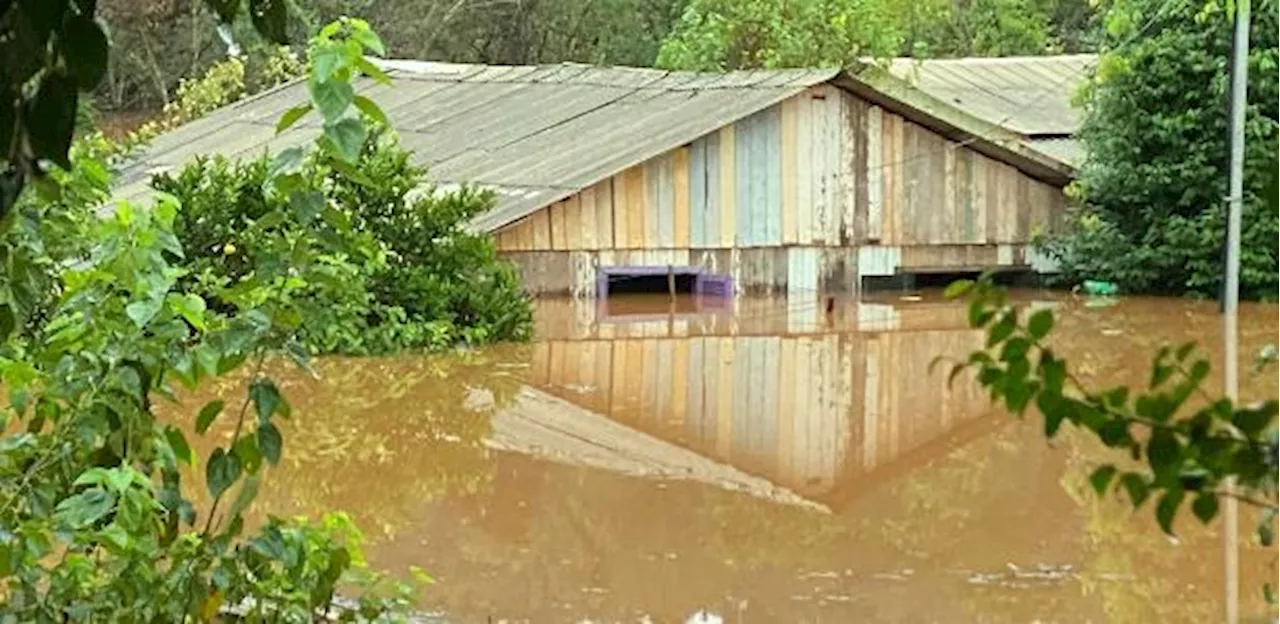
[
  {"x": 738, "y": 34},
  {"x": 1155, "y": 183},
  {"x": 420, "y": 279},
  {"x": 100, "y": 321}
]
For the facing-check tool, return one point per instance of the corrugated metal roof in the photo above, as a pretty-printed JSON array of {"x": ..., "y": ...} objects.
[
  {"x": 1028, "y": 95},
  {"x": 1067, "y": 150},
  {"x": 533, "y": 134}
]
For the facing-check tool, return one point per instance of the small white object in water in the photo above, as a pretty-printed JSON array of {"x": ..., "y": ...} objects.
[
  {"x": 704, "y": 617},
  {"x": 911, "y": 298}
]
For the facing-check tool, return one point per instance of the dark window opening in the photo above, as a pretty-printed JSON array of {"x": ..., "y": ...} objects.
[{"x": 650, "y": 284}]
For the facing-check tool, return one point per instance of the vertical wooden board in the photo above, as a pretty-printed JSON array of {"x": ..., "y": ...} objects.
[
  {"x": 948, "y": 199},
  {"x": 725, "y": 397},
  {"x": 555, "y": 365},
  {"x": 681, "y": 189},
  {"x": 817, "y": 177},
  {"x": 728, "y": 181},
  {"x": 638, "y": 217},
  {"x": 802, "y": 373},
  {"x": 804, "y": 171},
  {"x": 787, "y": 166},
  {"x": 679, "y": 381},
  {"x": 802, "y": 271},
  {"x": 657, "y": 182},
  {"x": 715, "y": 198},
  {"x": 873, "y": 176},
  {"x": 835, "y": 118},
  {"x": 698, "y": 200},
  {"x": 604, "y": 214},
  {"x": 1023, "y": 208},
  {"x": 617, "y": 375},
  {"x": 993, "y": 201},
  {"x": 541, "y": 363},
  {"x": 541, "y": 230},
  {"x": 744, "y": 142},
  {"x": 573, "y": 222},
  {"x": 587, "y": 218},
  {"x": 556, "y": 214},
  {"x": 770, "y": 232},
  {"x": 888, "y": 173},
  {"x": 620, "y": 219},
  {"x": 853, "y": 161},
  {"x": 978, "y": 173},
  {"x": 1009, "y": 208},
  {"x": 505, "y": 239},
  {"x": 962, "y": 197}
]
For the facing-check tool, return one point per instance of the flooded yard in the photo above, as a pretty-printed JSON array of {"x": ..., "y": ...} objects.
[{"x": 765, "y": 460}]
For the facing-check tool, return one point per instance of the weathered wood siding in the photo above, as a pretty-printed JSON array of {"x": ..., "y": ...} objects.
[
  {"x": 809, "y": 412},
  {"x": 793, "y": 196}
]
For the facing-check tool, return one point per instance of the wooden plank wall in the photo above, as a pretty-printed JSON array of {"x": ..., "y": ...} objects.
[
  {"x": 922, "y": 189},
  {"x": 823, "y": 169},
  {"x": 804, "y": 411}
]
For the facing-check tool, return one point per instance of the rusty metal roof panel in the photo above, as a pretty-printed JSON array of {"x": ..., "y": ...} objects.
[
  {"x": 537, "y": 134},
  {"x": 1028, "y": 95}
]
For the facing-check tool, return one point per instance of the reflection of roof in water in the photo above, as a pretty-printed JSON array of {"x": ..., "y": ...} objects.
[{"x": 553, "y": 429}]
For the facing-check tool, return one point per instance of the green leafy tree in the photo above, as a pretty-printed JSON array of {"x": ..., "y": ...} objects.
[
  {"x": 96, "y": 520},
  {"x": 1154, "y": 186}
]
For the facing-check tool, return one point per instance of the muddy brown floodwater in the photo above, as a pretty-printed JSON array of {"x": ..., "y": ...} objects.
[{"x": 763, "y": 461}]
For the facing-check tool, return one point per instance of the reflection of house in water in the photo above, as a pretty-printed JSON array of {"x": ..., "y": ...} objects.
[{"x": 815, "y": 402}]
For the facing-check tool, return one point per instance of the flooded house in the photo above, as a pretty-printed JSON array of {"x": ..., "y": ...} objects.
[{"x": 788, "y": 181}]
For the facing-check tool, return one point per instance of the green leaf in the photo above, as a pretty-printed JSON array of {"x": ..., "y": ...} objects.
[
  {"x": 369, "y": 39},
  {"x": 1101, "y": 478},
  {"x": 178, "y": 442},
  {"x": 371, "y": 109},
  {"x": 1160, "y": 373},
  {"x": 266, "y": 398},
  {"x": 285, "y": 162},
  {"x": 957, "y": 289},
  {"x": 247, "y": 451},
  {"x": 347, "y": 138},
  {"x": 306, "y": 205},
  {"x": 1167, "y": 509},
  {"x": 207, "y": 415},
  {"x": 270, "y": 441},
  {"x": 1003, "y": 328},
  {"x": 141, "y": 312},
  {"x": 85, "y": 508},
  {"x": 292, "y": 116},
  {"x": 372, "y": 71},
  {"x": 331, "y": 98},
  {"x": 351, "y": 173},
  {"x": 85, "y": 49},
  {"x": 271, "y": 19},
  {"x": 1185, "y": 350},
  {"x": 979, "y": 315},
  {"x": 222, "y": 470},
  {"x": 51, "y": 118},
  {"x": 1040, "y": 324},
  {"x": 325, "y": 61},
  {"x": 1205, "y": 507},
  {"x": 1164, "y": 453},
  {"x": 1136, "y": 486},
  {"x": 1052, "y": 371},
  {"x": 7, "y": 321},
  {"x": 1253, "y": 421},
  {"x": 1014, "y": 349},
  {"x": 248, "y": 492},
  {"x": 1054, "y": 412},
  {"x": 191, "y": 307}
]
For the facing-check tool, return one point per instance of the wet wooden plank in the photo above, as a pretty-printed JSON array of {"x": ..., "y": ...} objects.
[
  {"x": 852, "y": 158},
  {"x": 744, "y": 143},
  {"x": 831, "y": 178},
  {"x": 556, "y": 214},
  {"x": 978, "y": 166},
  {"x": 874, "y": 175},
  {"x": 541, "y": 221},
  {"x": 787, "y": 166},
  {"x": 804, "y": 169},
  {"x": 698, "y": 200},
  {"x": 769, "y": 230},
  {"x": 573, "y": 222},
  {"x": 638, "y": 217},
  {"x": 621, "y": 221},
  {"x": 695, "y": 406},
  {"x": 679, "y": 381},
  {"x": 821, "y": 136},
  {"x": 604, "y": 214},
  {"x": 728, "y": 183},
  {"x": 587, "y": 218},
  {"x": 680, "y": 189},
  {"x": 787, "y": 410}
]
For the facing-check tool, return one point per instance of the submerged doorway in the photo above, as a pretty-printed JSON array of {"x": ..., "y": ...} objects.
[{"x": 631, "y": 291}]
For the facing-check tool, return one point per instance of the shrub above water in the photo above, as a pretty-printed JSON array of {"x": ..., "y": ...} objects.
[{"x": 417, "y": 280}]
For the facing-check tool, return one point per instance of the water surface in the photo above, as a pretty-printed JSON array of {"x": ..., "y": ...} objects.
[{"x": 767, "y": 460}]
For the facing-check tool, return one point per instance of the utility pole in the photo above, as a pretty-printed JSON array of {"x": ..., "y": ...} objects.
[{"x": 1231, "y": 290}]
